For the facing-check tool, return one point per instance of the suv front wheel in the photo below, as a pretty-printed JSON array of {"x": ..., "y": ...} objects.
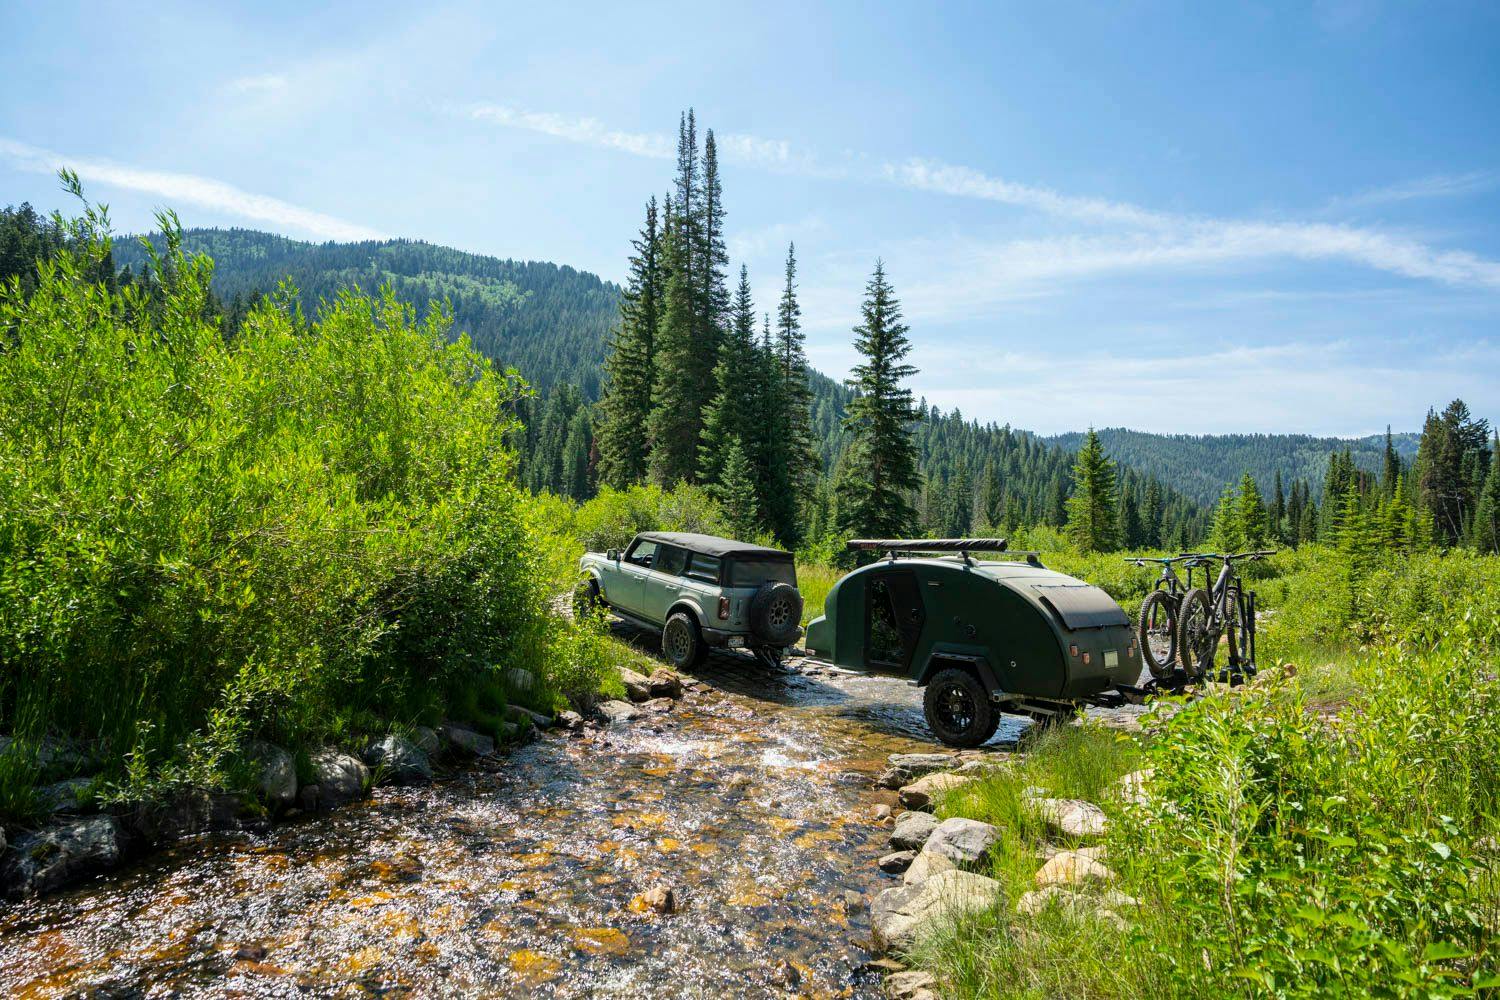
[
  {"x": 958, "y": 709},
  {"x": 681, "y": 642}
]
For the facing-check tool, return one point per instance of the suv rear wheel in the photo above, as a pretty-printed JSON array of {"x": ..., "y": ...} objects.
[
  {"x": 958, "y": 709},
  {"x": 681, "y": 642}
]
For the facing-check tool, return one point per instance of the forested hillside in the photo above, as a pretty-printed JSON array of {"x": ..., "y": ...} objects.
[
  {"x": 1200, "y": 465},
  {"x": 547, "y": 320}
]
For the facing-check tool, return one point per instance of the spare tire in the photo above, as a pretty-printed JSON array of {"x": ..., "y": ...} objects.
[{"x": 776, "y": 613}]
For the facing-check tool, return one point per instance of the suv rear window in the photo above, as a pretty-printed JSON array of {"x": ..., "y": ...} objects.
[
  {"x": 754, "y": 572},
  {"x": 702, "y": 567}
]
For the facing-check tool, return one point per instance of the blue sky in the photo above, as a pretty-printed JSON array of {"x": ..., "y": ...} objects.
[{"x": 1176, "y": 217}]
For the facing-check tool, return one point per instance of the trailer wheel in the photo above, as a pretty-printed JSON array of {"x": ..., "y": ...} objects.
[
  {"x": 958, "y": 709},
  {"x": 1157, "y": 631}
]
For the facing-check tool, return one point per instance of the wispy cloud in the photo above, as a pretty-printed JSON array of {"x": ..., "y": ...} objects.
[
  {"x": 1150, "y": 239},
  {"x": 1436, "y": 186},
  {"x": 178, "y": 189}
]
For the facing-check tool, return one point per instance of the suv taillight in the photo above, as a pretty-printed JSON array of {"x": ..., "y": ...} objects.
[{"x": 723, "y": 609}]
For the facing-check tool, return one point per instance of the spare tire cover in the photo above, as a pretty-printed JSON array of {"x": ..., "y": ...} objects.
[{"x": 776, "y": 613}]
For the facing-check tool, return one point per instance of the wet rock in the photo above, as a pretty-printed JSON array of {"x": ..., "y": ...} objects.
[
  {"x": 657, "y": 705},
  {"x": 637, "y": 686},
  {"x": 921, "y": 793},
  {"x": 1132, "y": 787},
  {"x": 880, "y": 812},
  {"x": 897, "y": 861},
  {"x": 63, "y": 796},
  {"x": 519, "y": 680},
  {"x": 426, "y": 740},
  {"x": 308, "y": 798},
  {"x": 664, "y": 684},
  {"x": 1071, "y": 817},
  {"x": 658, "y": 899},
  {"x": 60, "y": 855},
  {"x": 904, "y": 768},
  {"x": 339, "y": 777},
  {"x": 912, "y": 830},
  {"x": 466, "y": 740},
  {"x": 250, "y": 953},
  {"x": 277, "y": 779},
  {"x": 885, "y": 964},
  {"x": 899, "y": 916},
  {"x": 913, "y": 984},
  {"x": 520, "y": 713},
  {"x": 612, "y": 713},
  {"x": 925, "y": 866},
  {"x": 853, "y": 901},
  {"x": 402, "y": 761},
  {"x": 509, "y": 732},
  {"x": 962, "y": 841},
  {"x": 191, "y": 811},
  {"x": 1073, "y": 868},
  {"x": 570, "y": 720}
]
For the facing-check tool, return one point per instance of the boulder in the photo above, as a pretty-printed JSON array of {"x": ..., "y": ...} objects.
[
  {"x": 520, "y": 680},
  {"x": 658, "y": 899},
  {"x": 520, "y": 713},
  {"x": 402, "y": 761},
  {"x": 905, "y": 768},
  {"x": 1073, "y": 868},
  {"x": 1105, "y": 907},
  {"x": 277, "y": 773},
  {"x": 925, "y": 866},
  {"x": 1071, "y": 817},
  {"x": 912, "y": 984},
  {"x": 637, "y": 686},
  {"x": 881, "y": 812},
  {"x": 981, "y": 766},
  {"x": 897, "y": 861},
  {"x": 570, "y": 720},
  {"x": 613, "y": 712},
  {"x": 657, "y": 705},
  {"x": 426, "y": 740},
  {"x": 308, "y": 797},
  {"x": 1132, "y": 787},
  {"x": 63, "y": 796},
  {"x": 339, "y": 777},
  {"x": 912, "y": 830},
  {"x": 466, "y": 740},
  {"x": 191, "y": 811},
  {"x": 664, "y": 684},
  {"x": 899, "y": 916},
  {"x": 60, "y": 855},
  {"x": 921, "y": 793},
  {"x": 962, "y": 841}
]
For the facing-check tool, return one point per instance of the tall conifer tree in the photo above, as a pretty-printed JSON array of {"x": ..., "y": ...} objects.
[
  {"x": 1091, "y": 508},
  {"x": 631, "y": 363},
  {"x": 802, "y": 453}
]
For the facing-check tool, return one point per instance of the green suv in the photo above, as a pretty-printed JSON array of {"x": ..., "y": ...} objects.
[{"x": 700, "y": 591}]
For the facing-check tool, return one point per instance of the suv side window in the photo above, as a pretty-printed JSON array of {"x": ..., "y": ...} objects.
[
  {"x": 670, "y": 560},
  {"x": 642, "y": 554},
  {"x": 702, "y": 567}
]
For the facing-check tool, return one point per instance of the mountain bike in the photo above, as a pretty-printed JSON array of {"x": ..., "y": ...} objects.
[
  {"x": 1209, "y": 614},
  {"x": 1156, "y": 626}
]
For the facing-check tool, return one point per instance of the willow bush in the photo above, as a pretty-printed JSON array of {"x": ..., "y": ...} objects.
[{"x": 289, "y": 534}]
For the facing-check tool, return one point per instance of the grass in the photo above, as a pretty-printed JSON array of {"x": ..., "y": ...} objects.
[{"x": 815, "y": 582}]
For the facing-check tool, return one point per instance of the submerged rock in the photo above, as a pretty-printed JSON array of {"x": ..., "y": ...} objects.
[
  {"x": 664, "y": 684},
  {"x": 277, "y": 780},
  {"x": 658, "y": 899},
  {"x": 899, "y": 916},
  {"x": 912, "y": 830},
  {"x": 921, "y": 793},
  {"x": 339, "y": 777},
  {"x": 905, "y": 768},
  {"x": 613, "y": 712},
  {"x": 1071, "y": 817},
  {"x": 962, "y": 841},
  {"x": 466, "y": 740},
  {"x": 60, "y": 855},
  {"x": 403, "y": 761}
]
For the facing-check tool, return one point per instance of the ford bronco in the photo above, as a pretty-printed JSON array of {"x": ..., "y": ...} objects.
[{"x": 700, "y": 591}]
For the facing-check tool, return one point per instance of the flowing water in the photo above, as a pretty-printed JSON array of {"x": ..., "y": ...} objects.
[{"x": 751, "y": 799}]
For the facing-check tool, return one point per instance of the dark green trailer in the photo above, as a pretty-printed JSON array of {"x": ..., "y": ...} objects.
[{"x": 984, "y": 636}]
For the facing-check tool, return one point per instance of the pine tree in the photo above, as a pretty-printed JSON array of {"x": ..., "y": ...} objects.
[
  {"x": 713, "y": 261},
  {"x": 577, "y": 474},
  {"x": 631, "y": 364},
  {"x": 1226, "y": 536},
  {"x": 735, "y": 492},
  {"x": 1151, "y": 516},
  {"x": 732, "y": 414},
  {"x": 1391, "y": 470},
  {"x": 1091, "y": 507},
  {"x": 960, "y": 504},
  {"x": 677, "y": 414},
  {"x": 880, "y": 468},
  {"x": 1250, "y": 511},
  {"x": 801, "y": 449},
  {"x": 1487, "y": 514},
  {"x": 991, "y": 497},
  {"x": 1275, "y": 528},
  {"x": 1128, "y": 532},
  {"x": 1448, "y": 464}
]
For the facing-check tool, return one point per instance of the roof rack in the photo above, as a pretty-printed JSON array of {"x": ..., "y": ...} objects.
[{"x": 962, "y": 546}]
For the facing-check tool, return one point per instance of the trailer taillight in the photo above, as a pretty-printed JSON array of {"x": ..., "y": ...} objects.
[
  {"x": 723, "y": 609},
  {"x": 1085, "y": 659},
  {"x": 1073, "y": 650}
]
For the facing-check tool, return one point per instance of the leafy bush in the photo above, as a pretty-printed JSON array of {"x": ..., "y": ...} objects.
[{"x": 289, "y": 534}]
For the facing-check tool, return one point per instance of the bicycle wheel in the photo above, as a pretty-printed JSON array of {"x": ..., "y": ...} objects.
[
  {"x": 1156, "y": 628},
  {"x": 1197, "y": 634},
  {"x": 1238, "y": 633}
]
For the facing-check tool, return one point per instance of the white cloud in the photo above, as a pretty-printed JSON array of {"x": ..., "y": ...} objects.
[
  {"x": 1152, "y": 239},
  {"x": 1437, "y": 186},
  {"x": 179, "y": 189}
]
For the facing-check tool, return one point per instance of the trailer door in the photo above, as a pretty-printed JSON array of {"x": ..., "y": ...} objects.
[{"x": 893, "y": 620}]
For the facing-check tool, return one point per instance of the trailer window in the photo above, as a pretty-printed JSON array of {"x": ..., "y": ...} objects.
[{"x": 754, "y": 572}]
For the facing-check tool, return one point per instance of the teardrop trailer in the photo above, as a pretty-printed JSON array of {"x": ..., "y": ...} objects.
[{"x": 983, "y": 637}]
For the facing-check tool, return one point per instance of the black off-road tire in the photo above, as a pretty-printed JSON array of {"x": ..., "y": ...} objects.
[
  {"x": 586, "y": 598},
  {"x": 681, "y": 643},
  {"x": 776, "y": 613},
  {"x": 1158, "y": 622},
  {"x": 958, "y": 709},
  {"x": 1197, "y": 638}
]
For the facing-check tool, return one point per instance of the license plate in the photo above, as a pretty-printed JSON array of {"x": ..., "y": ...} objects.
[
  {"x": 736, "y": 641},
  {"x": 1111, "y": 657}
]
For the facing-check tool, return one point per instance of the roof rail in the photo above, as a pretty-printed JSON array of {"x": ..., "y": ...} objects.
[{"x": 927, "y": 544}]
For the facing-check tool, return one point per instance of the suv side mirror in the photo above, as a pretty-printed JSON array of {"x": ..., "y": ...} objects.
[{"x": 613, "y": 555}]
